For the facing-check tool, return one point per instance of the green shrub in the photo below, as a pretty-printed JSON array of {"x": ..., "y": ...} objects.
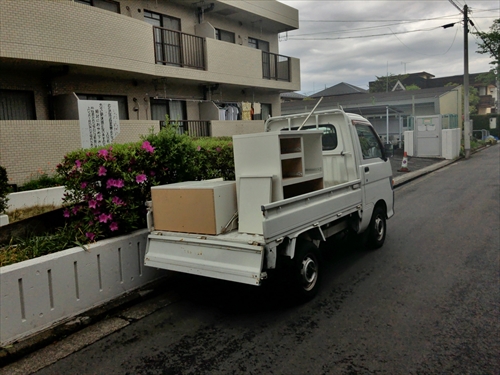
[
  {"x": 4, "y": 189},
  {"x": 42, "y": 181},
  {"x": 215, "y": 157}
]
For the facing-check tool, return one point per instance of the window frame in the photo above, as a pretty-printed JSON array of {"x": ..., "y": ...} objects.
[
  {"x": 376, "y": 138},
  {"x": 92, "y": 3},
  {"x": 220, "y": 32},
  {"x": 256, "y": 44}
]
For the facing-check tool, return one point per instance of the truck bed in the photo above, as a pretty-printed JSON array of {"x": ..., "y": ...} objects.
[{"x": 240, "y": 257}]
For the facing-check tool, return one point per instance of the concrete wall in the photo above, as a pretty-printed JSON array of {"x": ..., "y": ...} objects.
[
  {"x": 451, "y": 143},
  {"x": 40, "y": 197},
  {"x": 38, "y": 293},
  {"x": 451, "y": 103},
  {"x": 29, "y": 148}
]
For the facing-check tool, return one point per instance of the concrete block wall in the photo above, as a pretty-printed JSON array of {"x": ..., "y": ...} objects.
[
  {"x": 38, "y": 293},
  {"x": 29, "y": 148}
]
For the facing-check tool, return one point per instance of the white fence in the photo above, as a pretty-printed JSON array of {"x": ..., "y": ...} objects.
[{"x": 38, "y": 293}]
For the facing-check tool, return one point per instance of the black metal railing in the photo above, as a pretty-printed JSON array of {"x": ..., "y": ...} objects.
[
  {"x": 193, "y": 128},
  {"x": 178, "y": 49},
  {"x": 275, "y": 66}
]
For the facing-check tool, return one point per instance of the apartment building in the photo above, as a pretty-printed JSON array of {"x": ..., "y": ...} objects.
[{"x": 213, "y": 67}]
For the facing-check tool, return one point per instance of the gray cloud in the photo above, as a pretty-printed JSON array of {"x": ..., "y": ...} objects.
[{"x": 326, "y": 60}]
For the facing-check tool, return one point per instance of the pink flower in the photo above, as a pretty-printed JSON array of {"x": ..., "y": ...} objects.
[
  {"x": 99, "y": 197},
  {"x": 141, "y": 178},
  {"x": 119, "y": 183},
  {"x": 78, "y": 164},
  {"x": 103, "y": 153},
  {"x": 147, "y": 146},
  {"x": 113, "y": 226},
  {"x": 218, "y": 149},
  {"x": 102, "y": 171},
  {"x": 110, "y": 183},
  {"x": 152, "y": 173},
  {"x": 103, "y": 218},
  {"x": 115, "y": 183},
  {"x": 66, "y": 213},
  {"x": 83, "y": 185},
  {"x": 75, "y": 209},
  {"x": 90, "y": 236},
  {"x": 92, "y": 203},
  {"x": 198, "y": 148},
  {"x": 116, "y": 200}
]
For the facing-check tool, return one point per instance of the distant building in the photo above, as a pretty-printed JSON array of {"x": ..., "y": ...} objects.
[{"x": 488, "y": 93}]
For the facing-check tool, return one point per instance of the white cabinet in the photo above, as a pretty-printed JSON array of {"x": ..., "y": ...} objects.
[{"x": 290, "y": 161}]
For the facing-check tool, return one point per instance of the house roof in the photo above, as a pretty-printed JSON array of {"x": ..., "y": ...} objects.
[
  {"x": 342, "y": 88},
  {"x": 292, "y": 95},
  {"x": 366, "y": 103}
]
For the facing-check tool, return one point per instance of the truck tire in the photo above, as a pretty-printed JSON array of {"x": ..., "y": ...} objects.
[
  {"x": 377, "y": 229},
  {"x": 306, "y": 271}
]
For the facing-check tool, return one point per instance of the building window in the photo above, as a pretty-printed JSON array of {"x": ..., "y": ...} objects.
[
  {"x": 225, "y": 36},
  {"x": 122, "y": 102},
  {"x": 258, "y": 44},
  {"x": 17, "y": 105},
  {"x": 112, "y": 6},
  {"x": 167, "y": 42},
  {"x": 174, "y": 109}
]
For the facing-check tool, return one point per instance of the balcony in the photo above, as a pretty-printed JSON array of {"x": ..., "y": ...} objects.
[
  {"x": 178, "y": 49},
  {"x": 275, "y": 66},
  {"x": 194, "y": 128}
]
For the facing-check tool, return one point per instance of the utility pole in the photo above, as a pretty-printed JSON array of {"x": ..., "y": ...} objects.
[{"x": 467, "y": 129}]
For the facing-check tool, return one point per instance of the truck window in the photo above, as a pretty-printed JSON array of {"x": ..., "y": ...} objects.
[
  {"x": 369, "y": 141},
  {"x": 329, "y": 139}
]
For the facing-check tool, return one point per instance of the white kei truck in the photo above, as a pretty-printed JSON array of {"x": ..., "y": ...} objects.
[{"x": 307, "y": 177}]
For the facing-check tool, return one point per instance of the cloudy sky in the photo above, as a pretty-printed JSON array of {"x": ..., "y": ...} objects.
[{"x": 354, "y": 41}]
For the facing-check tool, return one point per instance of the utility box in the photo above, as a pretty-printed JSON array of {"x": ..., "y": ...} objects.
[{"x": 204, "y": 207}]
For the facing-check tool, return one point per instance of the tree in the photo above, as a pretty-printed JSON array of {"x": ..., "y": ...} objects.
[
  {"x": 386, "y": 83},
  {"x": 412, "y": 87},
  {"x": 490, "y": 44}
]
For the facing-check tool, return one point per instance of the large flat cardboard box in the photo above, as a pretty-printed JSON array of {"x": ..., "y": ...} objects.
[{"x": 204, "y": 207}]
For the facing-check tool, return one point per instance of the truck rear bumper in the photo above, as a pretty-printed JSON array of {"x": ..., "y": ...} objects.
[{"x": 206, "y": 256}]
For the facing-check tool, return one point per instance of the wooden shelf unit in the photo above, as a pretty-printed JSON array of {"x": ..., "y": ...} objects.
[{"x": 293, "y": 159}]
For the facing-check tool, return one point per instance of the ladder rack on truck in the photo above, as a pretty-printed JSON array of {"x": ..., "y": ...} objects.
[{"x": 293, "y": 189}]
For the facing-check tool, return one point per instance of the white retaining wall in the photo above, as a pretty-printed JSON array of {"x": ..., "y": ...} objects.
[
  {"x": 451, "y": 143},
  {"x": 39, "y": 197},
  {"x": 38, "y": 293}
]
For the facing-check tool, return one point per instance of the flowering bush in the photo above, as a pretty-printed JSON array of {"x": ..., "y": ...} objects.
[
  {"x": 4, "y": 189},
  {"x": 107, "y": 187}
]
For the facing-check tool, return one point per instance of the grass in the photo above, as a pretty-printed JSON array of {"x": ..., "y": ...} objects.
[
  {"x": 25, "y": 213},
  {"x": 32, "y": 246}
]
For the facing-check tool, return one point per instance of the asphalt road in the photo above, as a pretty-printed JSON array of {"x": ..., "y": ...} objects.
[{"x": 425, "y": 303}]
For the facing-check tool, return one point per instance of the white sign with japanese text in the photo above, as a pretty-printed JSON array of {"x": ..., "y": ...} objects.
[{"x": 99, "y": 122}]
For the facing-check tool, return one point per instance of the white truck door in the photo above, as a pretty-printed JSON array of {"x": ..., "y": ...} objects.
[{"x": 375, "y": 172}]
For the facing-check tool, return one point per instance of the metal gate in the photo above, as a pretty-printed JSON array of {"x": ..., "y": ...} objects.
[{"x": 427, "y": 137}]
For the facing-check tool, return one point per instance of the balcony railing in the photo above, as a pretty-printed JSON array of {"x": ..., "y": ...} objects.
[
  {"x": 275, "y": 66},
  {"x": 193, "y": 128},
  {"x": 178, "y": 49}
]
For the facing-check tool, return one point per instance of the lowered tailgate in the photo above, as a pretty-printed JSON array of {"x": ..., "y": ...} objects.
[{"x": 234, "y": 256}]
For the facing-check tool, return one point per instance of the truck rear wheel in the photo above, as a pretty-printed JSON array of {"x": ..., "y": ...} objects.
[
  {"x": 377, "y": 229},
  {"x": 306, "y": 271}
]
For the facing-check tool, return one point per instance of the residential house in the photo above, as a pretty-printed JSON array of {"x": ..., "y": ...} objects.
[
  {"x": 192, "y": 61},
  {"x": 488, "y": 93}
]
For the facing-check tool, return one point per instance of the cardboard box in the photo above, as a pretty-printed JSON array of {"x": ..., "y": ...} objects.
[{"x": 203, "y": 207}]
